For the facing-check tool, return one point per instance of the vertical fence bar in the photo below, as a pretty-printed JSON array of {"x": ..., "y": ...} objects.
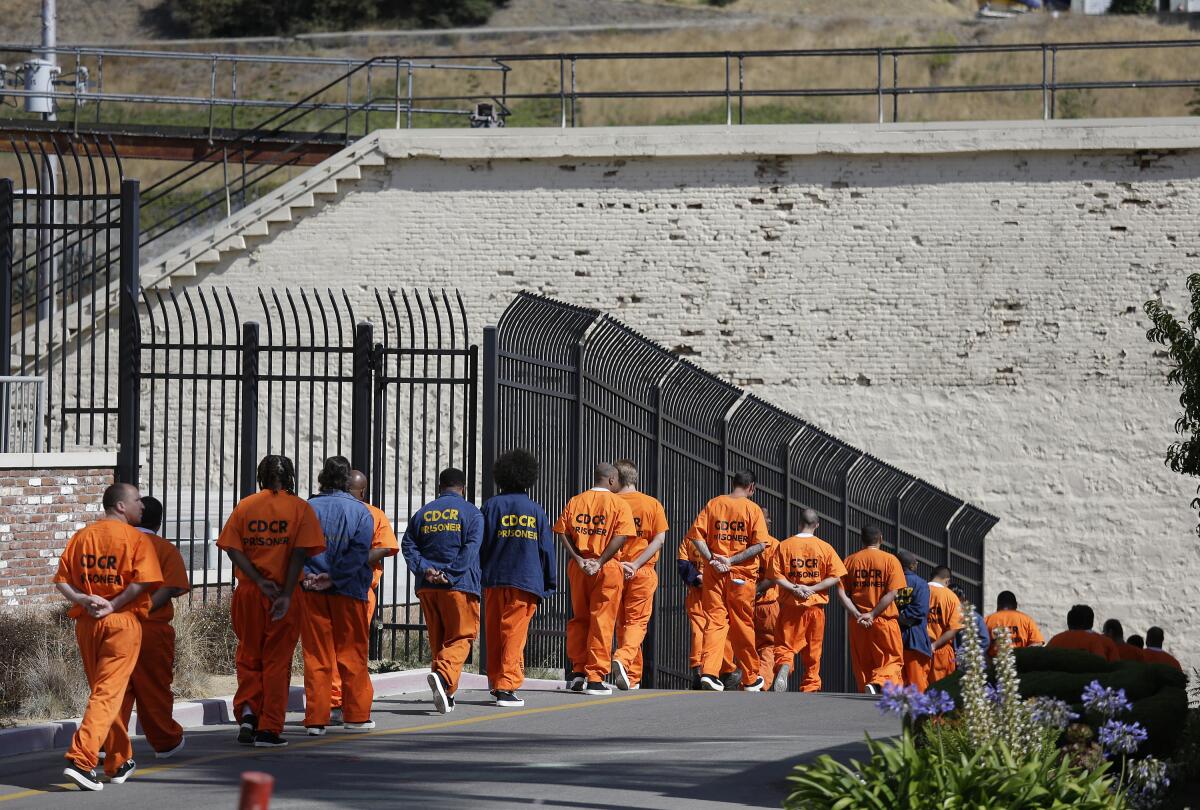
[
  {"x": 562, "y": 93},
  {"x": 410, "y": 94},
  {"x": 396, "y": 97},
  {"x": 6, "y": 253},
  {"x": 574, "y": 100},
  {"x": 129, "y": 349},
  {"x": 472, "y": 419},
  {"x": 1053, "y": 80},
  {"x": 1045, "y": 83},
  {"x": 879, "y": 81},
  {"x": 786, "y": 453},
  {"x": 361, "y": 399},
  {"x": 895, "y": 87},
  {"x": 490, "y": 399},
  {"x": 249, "y": 383},
  {"x": 741, "y": 88},
  {"x": 212, "y": 95},
  {"x": 728, "y": 97},
  {"x": 577, "y": 421},
  {"x": 650, "y": 643}
]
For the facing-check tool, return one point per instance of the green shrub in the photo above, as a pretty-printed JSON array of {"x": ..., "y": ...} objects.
[
  {"x": 1164, "y": 716},
  {"x": 901, "y": 775},
  {"x": 234, "y": 18},
  {"x": 1133, "y": 7},
  {"x": 1056, "y": 659}
]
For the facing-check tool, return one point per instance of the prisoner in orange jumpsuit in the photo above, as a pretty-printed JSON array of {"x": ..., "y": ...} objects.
[
  {"x": 150, "y": 684},
  {"x": 730, "y": 533},
  {"x": 1154, "y": 652},
  {"x": 518, "y": 566},
  {"x": 804, "y": 567},
  {"x": 1080, "y": 636},
  {"x": 592, "y": 527},
  {"x": 690, "y": 565},
  {"x": 1022, "y": 629},
  {"x": 945, "y": 620},
  {"x": 638, "y": 558},
  {"x": 441, "y": 549},
  {"x": 268, "y": 536},
  {"x": 868, "y": 591},
  {"x": 766, "y": 612},
  {"x": 335, "y": 627},
  {"x": 383, "y": 544},
  {"x": 106, "y": 572},
  {"x": 1126, "y": 652}
]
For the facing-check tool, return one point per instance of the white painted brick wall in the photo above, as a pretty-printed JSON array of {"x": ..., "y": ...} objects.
[{"x": 972, "y": 318}]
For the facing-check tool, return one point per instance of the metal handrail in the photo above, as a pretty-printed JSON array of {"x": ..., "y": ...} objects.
[{"x": 28, "y": 403}]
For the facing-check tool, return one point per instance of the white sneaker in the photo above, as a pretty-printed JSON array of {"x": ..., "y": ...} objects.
[
  {"x": 755, "y": 685},
  {"x": 358, "y": 727},
  {"x": 316, "y": 731},
  {"x": 597, "y": 689},
  {"x": 172, "y": 752},
  {"x": 509, "y": 700},
  {"x": 441, "y": 700},
  {"x": 710, "y": 684},
  {"x": 620, "y": 676}
]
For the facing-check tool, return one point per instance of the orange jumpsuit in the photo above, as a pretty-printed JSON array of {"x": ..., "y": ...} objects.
[
  {"x": 728, "y": 525},
  {"x": 150, "y": 684},
  {"x": 590, "y": 521},
  {"x": 1128, "y": 652},
  {"x": 1153, "y": 655},
  {"x": 945, "y": 613},
  {"x": 804, "y": 559},
  {"x": 385, "y": 538},
  {"x": 1089, "y": 641},
  {"x": 1022, "y": 630},
  {"x": 103, "y": 559},
  {"x": 697, "y": 622},
  {"x": 876, "y": 652},
  {"x": 266, "y": 527},
  {"x": 766, "y": 617},
  {"x": 637, "y": 595}
]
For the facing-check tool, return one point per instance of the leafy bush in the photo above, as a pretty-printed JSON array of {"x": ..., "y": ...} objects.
[
  {"x": 1133, "y": 7},
  {"x": 233, "y": 18},
  {"x": 901, "y": 775}
]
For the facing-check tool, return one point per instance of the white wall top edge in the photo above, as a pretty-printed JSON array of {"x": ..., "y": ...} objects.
[{"x": 77, "y": 459}]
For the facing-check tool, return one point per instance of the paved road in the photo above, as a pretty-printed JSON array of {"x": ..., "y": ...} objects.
[{"x": 651, "y": 749}]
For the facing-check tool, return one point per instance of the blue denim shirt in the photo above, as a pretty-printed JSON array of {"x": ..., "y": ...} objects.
[{"x": 348, "y": 528}]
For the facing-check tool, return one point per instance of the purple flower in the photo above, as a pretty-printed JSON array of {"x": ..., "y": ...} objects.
[
  {"x": 1052, "y": 713},
  {"x": 1121, "y": 738},
  {"x": 895, "y": 700},
  {"x": 993, "y": 693},
  {"x": 1105, "y": 701},
  {"x": 939, "y": 702},
  {"x": 910, "y": 702}
]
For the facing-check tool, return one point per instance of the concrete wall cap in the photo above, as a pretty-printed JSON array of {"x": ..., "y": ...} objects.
[{"x": 71, "y": 459}]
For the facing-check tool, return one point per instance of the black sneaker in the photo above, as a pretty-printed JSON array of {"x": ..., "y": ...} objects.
[
  {"x": 732, "y": 680},
  {"x": 873, "y": 689},
  {"x": 508, "y": 699},
  {"x": 575, "y": 682},
  {"x": 696, "y": 678},
  {"x": 268, "y": 739},
  {"x": 123, "y": 773},
  {"x": 441, "y": 694},
  {"x": 756, "y": 685},
  {"x": 621, "y": 676},
  {"x": 710, "y": 683},
  {"x": 597, "y": 689},
  {"x": 246, "y": 729},
  {"x": 87, "y": 780},
  {"x": 451, "y": 699}
]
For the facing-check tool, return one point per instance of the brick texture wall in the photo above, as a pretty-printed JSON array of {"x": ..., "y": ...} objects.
[{"x": 39, "y": 511}]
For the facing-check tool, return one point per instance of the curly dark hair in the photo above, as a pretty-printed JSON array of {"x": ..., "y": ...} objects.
[
  {"x": 335, "y": 475},
  {"x": 516, "y": 471},
  {"x": 277, "y": 473}
]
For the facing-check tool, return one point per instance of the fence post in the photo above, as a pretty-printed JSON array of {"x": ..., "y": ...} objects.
[
  {"x": 650, "y": 644},
  {"x": 488, "y": 451},
  {"x": 361, "y": 400},
  {"x": 249, "y": 437},
  {"x": 577, "y": 421},
  {"x": 129, "y": 364},
  {"x": 786, "y": 524},
  {"x": 6, "y": 251},
  {"x": 472, "y": 419}
]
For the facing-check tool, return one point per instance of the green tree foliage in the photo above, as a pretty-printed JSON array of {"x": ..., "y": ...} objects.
[
  {"x": 1133, "y": 7},
  {"x": 1180, "y": 340},
  {"x": 243, "y": 18}
]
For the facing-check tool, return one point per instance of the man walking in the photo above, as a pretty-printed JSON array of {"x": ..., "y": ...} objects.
[
  {"x": 441, "y": 548},
  {"x": 1022, "y": 629},
  {"x": 945, "y": 620},
  {"x": 913, "y": 604},
  {"x": 593, "y": 526},
  {"x": 1079, "y": 635},
  {"x": 1154, "y": 652},
  {"x": 868, "y": 591},
  {"x": 638, "y": 558},
  {"x": 730, "y": 533}
]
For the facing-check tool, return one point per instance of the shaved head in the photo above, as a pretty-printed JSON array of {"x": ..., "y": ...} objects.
[
  {"x": 907, "y": 559},
  {"x": 941, "y": 574},
  {"x": 606, "y": 475},
  {"x": 358, "y": 485},
  {"x": 809, "y": 519},
  {"x": 123, "y": 502}
]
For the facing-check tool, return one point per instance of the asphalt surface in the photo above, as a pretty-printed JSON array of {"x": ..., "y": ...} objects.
[{"x": 643, "y": 749}]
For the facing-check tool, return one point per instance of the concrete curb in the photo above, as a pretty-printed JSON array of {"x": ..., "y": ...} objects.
[{"x": 219, "y": 710}]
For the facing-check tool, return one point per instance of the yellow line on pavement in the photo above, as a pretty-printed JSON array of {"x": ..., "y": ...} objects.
[{"x": 335, "y": 739}]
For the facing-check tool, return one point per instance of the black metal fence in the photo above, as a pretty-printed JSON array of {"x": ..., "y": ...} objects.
[
  {"x": 224, "y": 379},
  {"x": 576, "y": 386}
]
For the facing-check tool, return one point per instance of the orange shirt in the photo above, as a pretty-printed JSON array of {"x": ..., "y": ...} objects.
[
  {"x": 384, "y": 537},
  {"x": 1088, "y": 641},
  {"x": 592, "y": 519},
  {"x": 771, "y": 594},
  {"x": 1128, "y": 652},
  {"x": 806, "y": 559},
  {"x": 174, "y": 575},
  {"x": 266, "y": 527},
  {"x": 650, "y": 519},
  {"x": 1022, "y": 629},
  {"x": 687, "y": 551},
  {"x": 870, "y": 575},
  {"x": 1160, "y": 657},
  {"x": 945, "y": 611},
  {"x": 105, "y": 558},
  {"x": 728, "y": 525}
]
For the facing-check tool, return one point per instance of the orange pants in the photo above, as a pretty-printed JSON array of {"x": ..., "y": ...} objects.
[
  {"x": 944, "y": 662},
  {"x": 595, "y": 601},
  {"x": 264, "y": 654},
  {"x": 452, "y": 618},
  {"x": 633, "y": 617},
  {"x": 334, "y": 638},
  {"x": 766, "y": 620},
  {"x": 916, "y": 669},
  {"x": 729, "y": 609},
  {"x": 801, "y": 630},
  {"x": 150, "y": 687},
  {"x": 336, "y": 693},
  {"x": 698, "y": 622},
  {"x": 109, "y": 649},
  {"x": 507, "y": 617},
  {"x": 876, "y": 653}
]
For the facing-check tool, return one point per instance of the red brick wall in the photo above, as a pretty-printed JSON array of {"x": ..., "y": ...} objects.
[{"x": 39, "y": 511}]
